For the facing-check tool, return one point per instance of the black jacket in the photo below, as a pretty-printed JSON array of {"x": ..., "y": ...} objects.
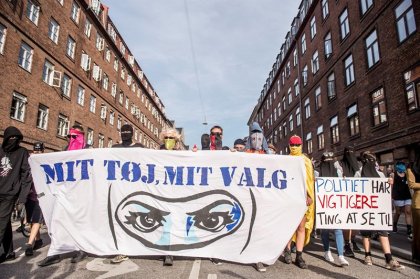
[{"x": 15, "y": 173}]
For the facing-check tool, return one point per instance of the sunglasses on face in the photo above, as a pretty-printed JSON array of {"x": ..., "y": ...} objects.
[
  {"x": 72, "y": 136},
  {"x": 168, "y": 138},
  {"x": 295, "y": 145},
  {"x": 216, "y": 133}
]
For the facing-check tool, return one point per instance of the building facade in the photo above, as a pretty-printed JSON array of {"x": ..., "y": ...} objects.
[
  {"x": 64, "y": 62},
  {"x": 348, "y": 74}
]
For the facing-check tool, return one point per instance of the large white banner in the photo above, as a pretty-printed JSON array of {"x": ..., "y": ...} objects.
[
  {"x": 353, "y": 203},
  {"x": 133, "y": 201}
]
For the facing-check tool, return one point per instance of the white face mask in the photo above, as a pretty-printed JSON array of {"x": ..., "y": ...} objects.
[{"x": 257, "y": 140}]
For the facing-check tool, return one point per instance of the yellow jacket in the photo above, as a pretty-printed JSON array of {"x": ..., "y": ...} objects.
[
  {"x": 416, "y": 187},
  {"x": 310, "y": 192}
]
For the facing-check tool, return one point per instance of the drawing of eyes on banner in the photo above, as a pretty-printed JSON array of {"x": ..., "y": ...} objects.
[{"x": 174, "y": 224}]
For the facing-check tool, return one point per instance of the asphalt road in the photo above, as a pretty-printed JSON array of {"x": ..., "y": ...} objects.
[{"x": 186, "y": 268}]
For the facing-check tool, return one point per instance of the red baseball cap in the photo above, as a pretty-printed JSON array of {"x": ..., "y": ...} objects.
[{"x": 295, "y": 140}]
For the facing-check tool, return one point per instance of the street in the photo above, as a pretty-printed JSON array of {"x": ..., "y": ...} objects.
[{"x": 152, "y": 267}]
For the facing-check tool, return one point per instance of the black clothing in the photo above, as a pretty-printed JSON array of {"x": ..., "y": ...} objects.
[
  {"x": 15, "y": 173},
  {"x": 33, "y": 212},
  {"x": 6, "y": 234},
  {"x": 327, "y": 169},
  {"x": 205, "y": 142},
  {"x": 349, "y": 163},
  {"x": 8, "y": 144},
  {"x": 400, "y": 190},
  {"x": 369, "y": 169},
  {"x": 134, "y": 145}
]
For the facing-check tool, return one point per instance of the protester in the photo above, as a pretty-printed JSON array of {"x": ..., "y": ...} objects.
[
  {"x": 216, "y": 137},
  {"x": 76, "y": 139},
  {"x": 256, "y": 141},
  {"x": 370, "y": 169},
  {"x": 33, "y": 213},
  {"x": 349, "y": 165},
  {"x": 273, "y": 149},
  {"x": 239, "y": 145},
  {"x": 413, "y": 177},
  {"x": 328, "y": 169},
  {"x": 205, "y": 142},
  {"x": 15, "y": 182},
  {"x": 170, "y": 138},
  {"x": 303, "y": 232},
  {"x": 402, "y": 198},
  {"x": 257, "y": 144},
  {"x": 126, "y": 141}
]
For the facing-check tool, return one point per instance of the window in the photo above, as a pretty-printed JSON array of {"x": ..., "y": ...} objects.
[
  {"x": 70, "y": 48},
  {"x": 53, "y": 30},
  {"x": 32, "y": 12},
  {"x": 325, "y": 9},
  {"x": 63, "y": 125},
  {"x": 103, "y": 112},
  {"x": 123, "y": 73},
  {"x": 305, "y": 75},
  {"x": 335, "y": 134},
  {"x": 307, "y": 107},
  {"x": 320, "y": 137},
  {"x": 100, "y": 42},
  {"x": 114, "y": 89},
  {"x": 309, "y": 143},
  {"x": 111, "y": 117},
  {"x": 18, "y": 108},
  {"x": 289, "y": 96},
  {"x": 328, "y": 48},
  {"x": 315, "y": 62},
  {"x": 66, "y": 85},
  {"x": 291, "y": 122},
  {"x": 296, "y": 86},
  {"x": 80, "y": 95},
  {"x": 365, "y": 5},
  {"x": 42, "y": 118},
  {"x": 349, "y": 70},
  {"x": 303, "y": 44},
  {"x": 89, "y": 136},
  {"x": 295, "y": 57},
  {"x": 412, "y": 90},
  {"x": 378, "y": 107},
  {"x": 318, "y": 99},
  {"x": 88, "y": 28},
  {"x": 344, "y": 24},
  {"x": 127, "y": 102},
  {"x": 115, "y": 64},
  {"x": 85, "y": 61},
  {"x": 92, "y": 104},
  {"x": 101, "y": 140},
  {"x": 25, "y": 56},
  {"x": 406, "y": 23},
  {"x": 3, "y": 32},
  {"x": 284, "y": 103},
  {"x": 285, "y": 129},
  {"x": 313, "y": 27},
  {"x": 331, "y": 86},
  {"x": 75, "y": 12},
  {"x": 110, "y": 143},
  {"x": 121, "y": 98},
  {"x": 47, "y": 72},
  {"x": 372, "y": 49},
  {"x": 288, "y": 69},
  {"x": 298, "y": 119},
  {"x": 353, "y": 119},
  {"x": 119, "y": 123},
  {"x": 105, "y": 81},
  {"x": 108, "y": 54}
]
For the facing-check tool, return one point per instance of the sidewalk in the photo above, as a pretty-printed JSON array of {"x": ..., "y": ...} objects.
[{"x": 400, "y": 244}]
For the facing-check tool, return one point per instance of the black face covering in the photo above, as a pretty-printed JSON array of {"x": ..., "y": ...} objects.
[
  {"x": 126, "y": 135},
  {"x": 349, "y": 163},
  {"x": 327, "y": 169},
  {"x": 11, "y": 145},
  {"x": 205, "y": 142}
]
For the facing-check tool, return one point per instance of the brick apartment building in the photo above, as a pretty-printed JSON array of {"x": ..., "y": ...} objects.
[
  {"x": 347, "y": 74},
  {"x": 64, "y": 62}
]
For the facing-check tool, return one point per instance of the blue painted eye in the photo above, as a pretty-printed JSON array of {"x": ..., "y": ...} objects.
[{"x": 215, "y": 217}]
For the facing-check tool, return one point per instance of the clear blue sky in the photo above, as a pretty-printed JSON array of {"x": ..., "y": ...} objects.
[{"x": 235, "y": 41}]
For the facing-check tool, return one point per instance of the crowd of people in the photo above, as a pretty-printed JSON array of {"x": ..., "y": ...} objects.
[{"x": 17, "y": 191}]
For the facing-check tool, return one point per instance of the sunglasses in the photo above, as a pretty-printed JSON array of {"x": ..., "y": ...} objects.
[
  {"x": 216, "y": 134},
  {"x": 294, "y": 144},
  {"x": 168, "y": 138},
  {"x": 72, "y": 136}
]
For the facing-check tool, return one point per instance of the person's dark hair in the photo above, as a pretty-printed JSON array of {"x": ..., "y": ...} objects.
[
  {"x": 225, "y": 148},
  {"x": 78, "y": 127},
  {"x": 216, "y": 127},
  {"x": 239, "y": 141}
]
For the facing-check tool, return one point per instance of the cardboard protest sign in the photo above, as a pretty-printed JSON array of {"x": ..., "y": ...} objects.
[{"x": 353, "y": 203}]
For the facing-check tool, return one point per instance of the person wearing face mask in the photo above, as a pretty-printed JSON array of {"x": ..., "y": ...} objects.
[
  {"x": 370, "y": 168},
  {"x": 76, "y": 139},
  {"x": 205, "y": 142},
  {"x": 303, "y": 232},
  {"x": 402, "y": 198},
  {"x": 413, "y": 177},
  {"x": 256, "y": 142},
  {"x": 126, "y": 141},
  {"x": 216, "y": 137},
  {"x": 15, "y": 183}
]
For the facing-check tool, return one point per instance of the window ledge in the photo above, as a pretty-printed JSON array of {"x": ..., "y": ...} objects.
[{"x": 379, "y": 126}]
